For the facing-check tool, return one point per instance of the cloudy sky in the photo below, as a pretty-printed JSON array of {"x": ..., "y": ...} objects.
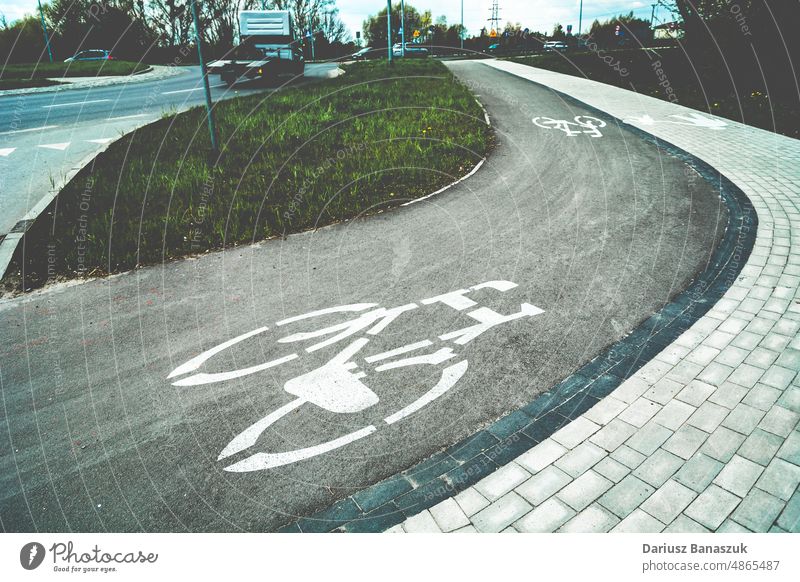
[{"x": 534, "y": 14}]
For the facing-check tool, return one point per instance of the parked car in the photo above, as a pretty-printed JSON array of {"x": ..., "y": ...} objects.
[
  {"x": 493, "y": 48},
  {"x": 412, "y": 50},
  {"x": 554, "y": 45},
  {"x": 90, "y": 55}
]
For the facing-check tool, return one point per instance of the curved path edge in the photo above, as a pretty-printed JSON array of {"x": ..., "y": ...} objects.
[{"x": 454, "y": 469}]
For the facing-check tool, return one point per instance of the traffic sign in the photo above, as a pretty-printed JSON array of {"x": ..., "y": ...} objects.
[
  {"x": 569, "y": 28},
  {"x": 493, "y": 33},
  {"x": 416, "y": 34}
]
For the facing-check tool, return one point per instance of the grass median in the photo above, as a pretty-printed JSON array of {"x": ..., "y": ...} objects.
[
  {"x": 293, "y": 160},
  {"x": 25, "y": 75}
]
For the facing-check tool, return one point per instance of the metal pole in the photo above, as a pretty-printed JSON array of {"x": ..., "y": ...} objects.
[
  {"x": 44, "y": 29},
  {"x": 311, "y": 32},
  {"x": 580, "y": 18},
  {"x": 389, "y": 27},
  {"x": 209, "y": 112},
  {"x": 461, "y": 32},
  {"x": 402, "y": 28}
]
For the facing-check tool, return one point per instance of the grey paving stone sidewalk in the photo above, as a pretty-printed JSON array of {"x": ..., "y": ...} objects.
[{"x": 705, "y": 437}]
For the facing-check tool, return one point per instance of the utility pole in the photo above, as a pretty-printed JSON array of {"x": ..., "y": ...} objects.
[
  {"x": 311, "y": 34},
  {"x": 209, "y": 107},
  {"x": 495, "y": 18},
  {"x": 653, "y": 15},
  {"x": 44, "y": 29},
  {"x": 389, "y": 28},
  {"x": 402, "y": 28},
  {"x": 580, "y": 18},
  {"x": 462, "y": 25}
]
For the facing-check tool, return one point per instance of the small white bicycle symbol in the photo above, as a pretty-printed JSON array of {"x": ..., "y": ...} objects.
[
  {"x": 337, "y": 385},
  {"x": 587, "y": 124}
]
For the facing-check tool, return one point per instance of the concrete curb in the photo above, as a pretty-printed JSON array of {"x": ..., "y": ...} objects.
[{"x": 9, "y": 244}]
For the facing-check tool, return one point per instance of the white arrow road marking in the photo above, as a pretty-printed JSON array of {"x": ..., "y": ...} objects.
[
  {"x": 644, "y": 119},
  {"x": 691, "y": 119},
  {"x": 101, "y": 141},
  {"x": 701, "y": 121},
  {"x": 55, "y": 146},
  {"x": 27, "y": 130},
  {"x": 75, "y": 103},
  {"x": 6, "y": 151}
]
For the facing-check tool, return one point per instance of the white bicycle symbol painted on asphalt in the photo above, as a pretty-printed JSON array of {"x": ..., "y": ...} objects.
[
  {"x": 588, "y": 125},
  {"x": 337, "y": 386}
]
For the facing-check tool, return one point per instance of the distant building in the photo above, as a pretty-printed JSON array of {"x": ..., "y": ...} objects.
[{"x": 668, "y": 30}]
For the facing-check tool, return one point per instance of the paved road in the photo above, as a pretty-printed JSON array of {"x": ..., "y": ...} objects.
[
  {"x": 596, "y": 232},
  {"x": 43, "y": 135}
]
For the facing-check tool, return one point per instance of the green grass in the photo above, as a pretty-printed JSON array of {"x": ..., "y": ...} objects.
[
  {"x": 297, "y": 159},
  {"x": 78, "y": 69},
  {"x": 25, "y": 83},
  {"x": 703, "y": 83}
]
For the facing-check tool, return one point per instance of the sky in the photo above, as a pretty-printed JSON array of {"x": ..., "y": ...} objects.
[{"x": 538, "y": 15}]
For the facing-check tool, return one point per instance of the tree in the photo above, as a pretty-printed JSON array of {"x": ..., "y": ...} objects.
[
  {"x": 315, "y": 15},
  {"x": 374, "y": 27},
  {"x": 634, "y": 31},
  {"x": 22, "y": 42}
]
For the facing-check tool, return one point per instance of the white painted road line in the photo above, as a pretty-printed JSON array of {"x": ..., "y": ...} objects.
[
  {"x": 193, "y": 89},
  {"x": 6, "y": 151},
  {"x": 75, "y": 103},
  {"x": 27, "y": 130},
  {"x": 101, "y": 141},
  {"x": 55, "y": 146}
]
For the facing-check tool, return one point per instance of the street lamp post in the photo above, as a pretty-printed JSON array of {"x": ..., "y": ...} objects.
[
  {"x": 311, "y": 34},
  {"x": 389, "y": 28},
  {"x": 402, "y": 28},
  {"x": 209, "y": 106},
  {"x": 580, "y": 18},
  {"x": 44, "y": 30}
]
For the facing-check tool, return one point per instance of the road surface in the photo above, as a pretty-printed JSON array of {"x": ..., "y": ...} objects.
[{"x": 163, "y": 400}]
